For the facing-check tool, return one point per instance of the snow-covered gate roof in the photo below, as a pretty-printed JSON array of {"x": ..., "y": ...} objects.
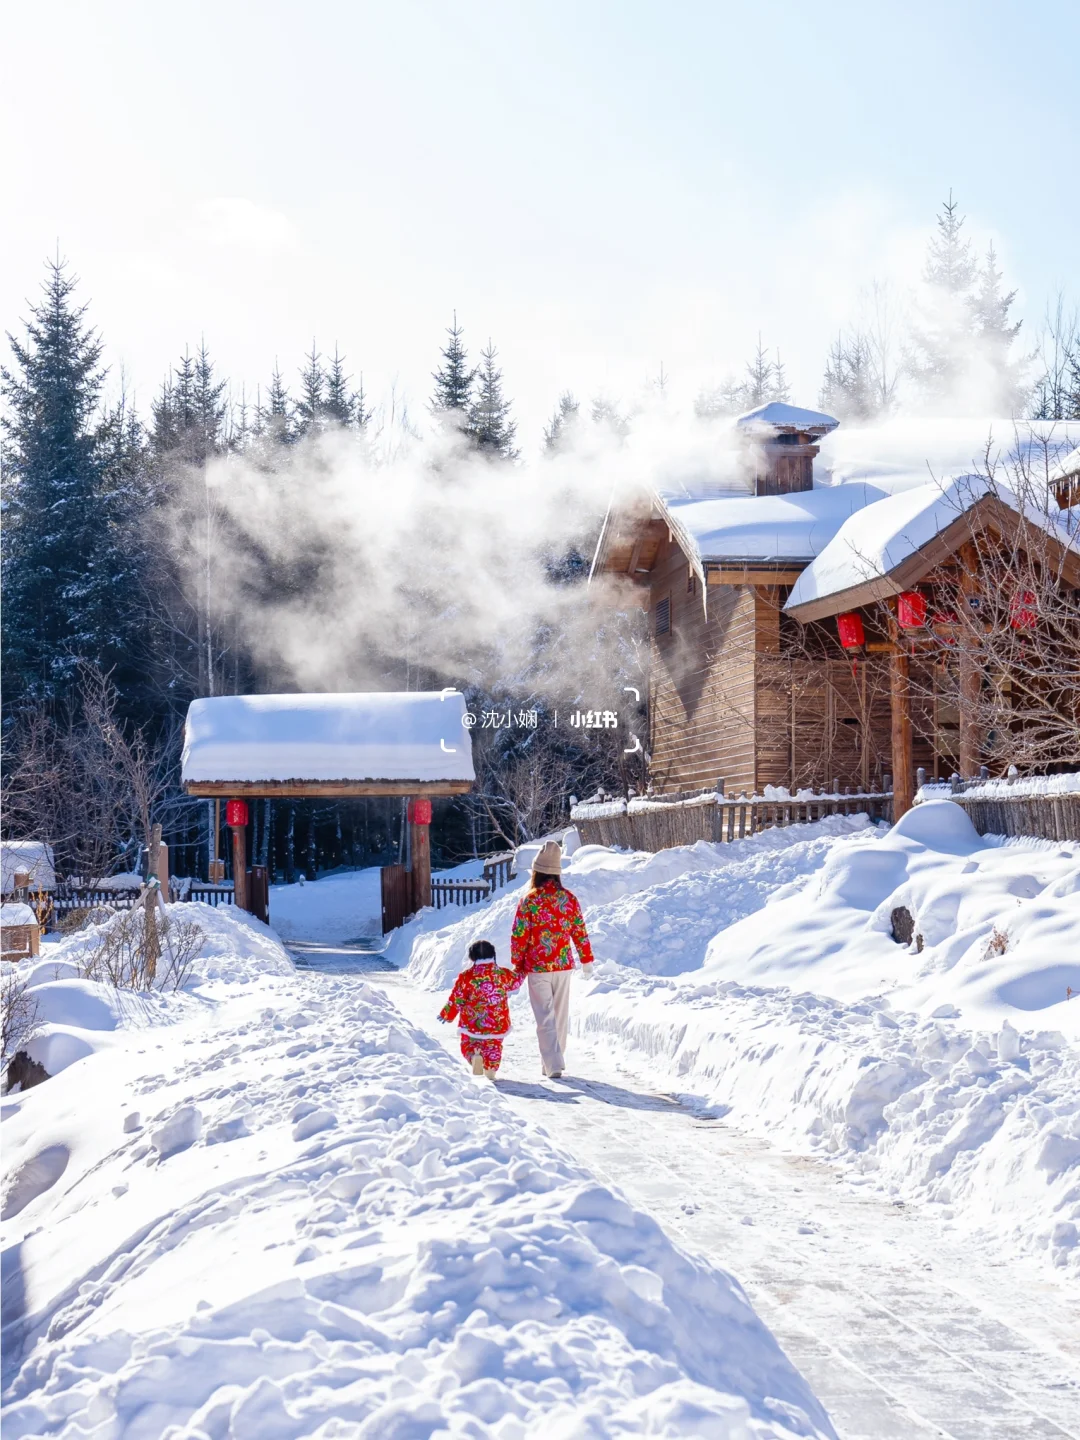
[
  {"x": 328, "y": 746},
  {"x": 33, "y": 856}
]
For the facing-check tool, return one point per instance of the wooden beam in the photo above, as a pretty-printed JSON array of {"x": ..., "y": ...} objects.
[
  {"x": 970, "y": 666},
  {"x": 750, "y": 575},
  {"x": 322, "y": 789}
]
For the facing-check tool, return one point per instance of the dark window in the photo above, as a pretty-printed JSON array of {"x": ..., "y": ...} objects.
[
  {"x": 691, "y": 581},
  {"x": 663, "y": 616}
]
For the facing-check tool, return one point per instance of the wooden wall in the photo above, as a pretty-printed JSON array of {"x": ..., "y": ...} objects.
[
  {"x": 734, "y": 693},
  {"x": 701, "y": 684}
]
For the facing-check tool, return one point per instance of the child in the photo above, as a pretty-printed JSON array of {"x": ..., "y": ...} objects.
[{"x": 478, "y": 999}]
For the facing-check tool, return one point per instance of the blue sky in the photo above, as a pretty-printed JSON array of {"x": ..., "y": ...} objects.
[{"x": 597, "y": 186}]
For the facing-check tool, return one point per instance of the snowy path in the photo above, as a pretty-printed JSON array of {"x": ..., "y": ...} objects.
[{"x": 900, "y": 1331}]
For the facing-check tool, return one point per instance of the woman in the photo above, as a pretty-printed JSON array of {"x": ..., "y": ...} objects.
[{"x": 548, "y": 927}]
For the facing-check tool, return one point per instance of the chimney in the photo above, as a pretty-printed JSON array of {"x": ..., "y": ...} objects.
[{"x": 782, "y": 442}]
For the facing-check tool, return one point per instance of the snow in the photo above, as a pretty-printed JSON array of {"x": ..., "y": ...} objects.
[
  {"x": 776, "y": 418},
  {"x": 871, "y": 543},
  {"x": 765, "y": 527},
  {"x": 332, "y": 909},
  {"x": 33, "y": 856},
  {"x": 761, "y": 979},
  {"x": 15, "y": 913},
  {"x": 910, "y": 451},
  {"x": 1069, "y": 466},
  {"x": 1005, "y": 788},
  {"x": 272, "y": 1207},
  {"x": 373, "y": 736}
]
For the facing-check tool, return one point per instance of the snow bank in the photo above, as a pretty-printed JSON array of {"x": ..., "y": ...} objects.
[
  {"x": 77, "y": 1017},
  {"x": 762, "y": 978},
  {"x": 391, "y": 736},
  {"x": 699, "y": 888},
  {"x": 294, "y": 1215}
]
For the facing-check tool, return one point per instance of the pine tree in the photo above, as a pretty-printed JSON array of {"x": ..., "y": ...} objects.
[
  {"x": 761, "y": 379},
  {"x": 990, "y": 307},
  {"x": 489, "y": 425},
  {"x": 339, "y": 405},
  {"x": 850, "y": 389},
  {"x": 721, "y": 403},
  {"x": 605, "y": 416},
  {"x": 189, "y": 419},
  {"x": 311, "y": 406},
  {"x": 560, "y": 430},
  {"x": 63, "y": 560},
  {"x": 943, "y": 342},
  {"x": 454, "y": 380},
  {"x": 274, "y": 419}
]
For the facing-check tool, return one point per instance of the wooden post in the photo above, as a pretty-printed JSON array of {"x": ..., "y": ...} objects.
[
  {"x": 970, "y": 666},
  {"x": 162, "y": 869},
  {"x": 420, "y": 852},
  {"x": 150, "y": 935},
  {"x": 900, "y": 715},
  {"x": 239, "y": 866}
]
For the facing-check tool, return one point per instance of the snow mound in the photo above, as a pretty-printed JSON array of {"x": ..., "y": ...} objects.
[
  {"x": 414, "y": 1260},
  {"x": 699, "y": 888}
]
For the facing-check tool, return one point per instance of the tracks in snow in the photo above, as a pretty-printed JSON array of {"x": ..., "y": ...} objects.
[{"x": 903, "y": 1331}]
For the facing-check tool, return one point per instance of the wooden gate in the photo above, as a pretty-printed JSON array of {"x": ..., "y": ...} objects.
[
  {"x": 396, "y": 896},
  {"x": 258, "y": 896}
]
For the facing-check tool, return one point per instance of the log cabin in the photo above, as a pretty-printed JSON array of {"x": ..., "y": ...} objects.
[{"x": 747, "y": 687}]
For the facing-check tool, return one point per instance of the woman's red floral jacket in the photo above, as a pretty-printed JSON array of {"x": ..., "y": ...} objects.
[
  {"x": 478, "y": 1000},
  {"x": 547, "y": 921}
]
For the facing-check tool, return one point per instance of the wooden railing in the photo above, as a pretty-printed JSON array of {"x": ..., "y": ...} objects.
[
  {"x": 498, "y": 870},
  {"x": 1050, "y": 815},
  {"x": 662, "y": 822},
  {"x": 458, "y": 892}
]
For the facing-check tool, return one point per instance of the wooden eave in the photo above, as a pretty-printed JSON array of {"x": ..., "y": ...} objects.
[
  {"x": 988, "y": 513},
  {"x": 629, "y": 544},
  {"x": 753, "y": 572},
  {"x": 321, "y": 789}
]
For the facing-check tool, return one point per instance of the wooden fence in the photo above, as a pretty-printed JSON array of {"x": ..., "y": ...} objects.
[
  {"x": 664, "y": 822},
  {"x": 1046, "y": 817},
  {"x": 498, "y": 870},
  {"x": 458, "y": 892}
]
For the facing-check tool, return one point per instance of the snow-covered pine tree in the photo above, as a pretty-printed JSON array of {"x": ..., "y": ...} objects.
[
  {"x": 1056, "y": 394},
  {"x": 454, "y": 379},
  {"x": 942, "y": 343},
  {"x": 850, "y": 388},
  {"x": 559, "y": 431},
  {"x": 489, "y": 425},
  {"x": 605, "y": 415},
  {"x": 765, "y": 379},
  {"x": 996, "y": 333},
  {"x": 64, "y": 534},
  {"x": 722, "y": 401}
]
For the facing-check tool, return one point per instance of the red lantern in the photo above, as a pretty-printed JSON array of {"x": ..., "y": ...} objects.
[
  {"x": 420, "y": 812},
  {"x": 911, "y": 610},
  {"x": 236, "y": 813},
  {"x": 1022, "y": 610},
  {"x": 851, "y": 631}
]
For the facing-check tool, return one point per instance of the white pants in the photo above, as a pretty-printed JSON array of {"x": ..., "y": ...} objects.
[{"x": 549, "y": 996}]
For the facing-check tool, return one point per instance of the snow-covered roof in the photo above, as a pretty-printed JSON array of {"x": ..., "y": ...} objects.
[
  {"x": 369, "y": 737},
  {"x": 905, "y": 452},
  {"x": 792, "y": 527},
  {"x": 776, "y": 418},
  {"x": 874, "y": 542},
  {"x": 33, "y": 856},
  {"x": 17, "y": 914},
  {"x": 1068, "y": 467}
]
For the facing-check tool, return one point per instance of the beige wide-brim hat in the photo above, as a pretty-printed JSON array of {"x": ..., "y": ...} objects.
[{"x": 548, "y": 859}]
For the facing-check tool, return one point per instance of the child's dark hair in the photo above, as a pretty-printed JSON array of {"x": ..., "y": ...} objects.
[{"x": 481, "y": 950}]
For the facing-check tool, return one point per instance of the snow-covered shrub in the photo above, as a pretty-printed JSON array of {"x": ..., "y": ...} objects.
[
  {"x": 18, "y": 1012},
  {"x": 135, "y": 950}
]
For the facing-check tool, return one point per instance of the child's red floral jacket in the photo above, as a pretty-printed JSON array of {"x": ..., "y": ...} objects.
[
  {"x": 547, "y": 921},
  {"x": 479, "y": 999}
]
